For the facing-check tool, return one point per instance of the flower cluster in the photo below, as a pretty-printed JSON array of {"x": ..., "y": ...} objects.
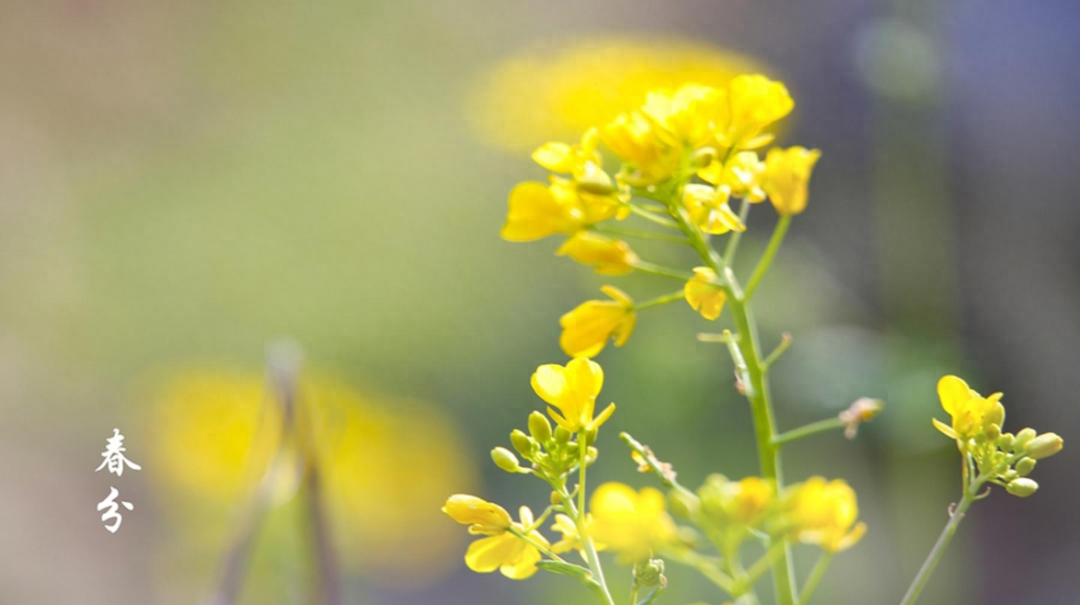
[
  {"x": 1000, "y": 458},
  {"x": 681, "y": 157}
]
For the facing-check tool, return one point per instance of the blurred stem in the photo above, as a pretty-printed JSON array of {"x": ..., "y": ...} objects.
[
  {"x": 660, "y": 300},
  {"x": 815, "y": 577},
  {"x": 657, "y": 467},
  {"x": 619, "y": 231},
  {"x": 538, "y": 546},
  {"x": 755, "y": 388},
  {"x": 591, "y": 556},
  {"x": 770, "y": 253},
  {"x": 736, "y": 237},
  {"x": 813, "y": 428},
  {"x": 652, "y": 269},
  {"x": 955, "y": 517},
  {"x": 705, "y": 566},
  {"x": 651, "y": 217}
]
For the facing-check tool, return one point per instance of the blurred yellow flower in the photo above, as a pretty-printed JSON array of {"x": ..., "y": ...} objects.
[
  {"x": 633, "y": 524},
  {"x": 970, "y": 411},
  {"x": 787, "y": 178},
  {"x": 755, "y": 103},
  {"x": 744, "y": 502},
  {"x": 610, "y": 256},
  {"x": 703, "y": 294},
  {"x": 220, "y": 434},
  {"x": 572, "y": 390},
  {"x": 709, "y": 209},
  {"x": 537, "y": 210},
  {"x": 514, "y": 557},
  {"x": 825, "y": 513},
  {"x": 688, "y": 115},
  {"x": 554, "y": 93},
  {"x": 633, "y": 138},
  {"x": 739, "y": 177},
  {"x": 587, "y": 328}
]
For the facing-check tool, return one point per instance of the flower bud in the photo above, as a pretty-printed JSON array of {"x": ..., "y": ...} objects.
[
  {"x": 1025, "y": 466},
  {"x": 562, "y": 435},
  {"x": 1005, "y": 442},
  {"x": 523, "y": 443},
  {"x": 594, "y": 180},
  {"x": 1022, "y": 487},
  {"x": 996, "y": 415},
  {"x": 1044, "y": 446},
  {"x": 590, "y": 436},
  {"x": 993, "y": 432},
  {"x": 539, "y": 427},
  {"x": 649, "y": 574},
  {"x": 1022, "y": 438},
  {"x": 506, "y": 460},
  {"x": 703, "y": 157},
  {"x": 556, "y": 499}
]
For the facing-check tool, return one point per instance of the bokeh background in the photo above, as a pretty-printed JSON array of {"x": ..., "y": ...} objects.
[{"x": 183, "y": 183}]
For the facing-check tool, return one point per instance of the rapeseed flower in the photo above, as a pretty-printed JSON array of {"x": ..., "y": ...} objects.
[
  {"x": 970, "y": 411},
  {"x": 632, "y": 524},
  {"x": 703, "y": 295},
  {"x": 587, "y": 328},
  {"x": 708, "y": 208},
  {"x": 787, "y": 178},
  {"x": 608, "y": 255},
  {"x": 504, "y": 548},
  {"x": 825, "y": 514},
  {"x": 571, "y": 391}
]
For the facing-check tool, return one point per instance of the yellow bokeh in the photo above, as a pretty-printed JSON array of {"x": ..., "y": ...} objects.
[
  {"x": 556, "y": 93},
  {"x": 385, "y": 464}
]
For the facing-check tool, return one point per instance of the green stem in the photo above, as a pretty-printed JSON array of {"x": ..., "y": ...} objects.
[
  {"x": 736, "y": 237},
  {"x": 813, "y": 428},
  {"x": 653, "y": 218},
  {"x": 764, "y": 563},
  {"x": 770, "y": 253},
  {"x": 591, "y": 555},
  {"x": 704, "y": 566},
  {"x": 667, "y": 477},
  {"x": 815, "y": 577},
  {"x": 756, "y": 390},
  {"x": 619, "y": 231},
  {"x": 942, "y": 543},
  {"x": 659, "y": 300},
  {"x": 661, "y": 271},
  {"x": 537, "y": 545}
]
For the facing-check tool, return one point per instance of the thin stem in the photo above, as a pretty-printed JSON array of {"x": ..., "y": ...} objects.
[
  {"x": 537, "y": 545},
  {"x": 813, "y": 428},
  {"x": 591, "y": 556},
  {"x": 661, "y": 470},
  {"x": 660, "y": 300},
  {"x": 764, "y": 563},
  {"x": 755, "y": 388},
  {"x": 736, "y": 237},
  {"x": 815, "y": 577},
  {"x": 662, "y": 271},
  {"x": 942, "y": 543},
  {"x": 619, "y": 231},
  {"x": 705, "y": 566},
  {"x": 770, "y": 253},
  {"x": 652, "y": 217},
  {"x": 785, "y": 344}
]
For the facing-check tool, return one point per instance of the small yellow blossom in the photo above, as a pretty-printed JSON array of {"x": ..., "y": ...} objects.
[
  {"x": 633, "y": 524},
  {"x": 610, "y": 256},
  {"x": 481, "y": 516},
  {"x": 740, "y": 176},
  {"x": 756, "y": 102},
  {"x": 970, "y": 411},
  {"x": 687, "y": 116},
  {"x": 514, "y": 557},
  {"x": 787, "y": 177},
  {"x": 587, "y": 328},
  {"x": 571, "y": 539},
  {"x": 569, "y": 159},
  {"x": 703, "y": 294},
  {"x": 572, "y": 390},
  {"x": 745, "y": 501},
  {"x": 709, "y": 209},
  {"x": 825, "y": 513},
  {"x": 537, "y": 210},
  {"x": 633, "y": 138}
]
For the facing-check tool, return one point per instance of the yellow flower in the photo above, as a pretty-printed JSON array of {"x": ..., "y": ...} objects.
[
  {"x": 687, "y": 116},
  {"x": 638, "y": 142},
  {"x": 572, "y": 389},
  {"x": 703, "y": 294},
  {"x": 633, "y": 524},
  {"x": 481, "y": 516},
  {"x": 571, "y": 539},
  {"x": 741, "y": 176},
  {"x": 569, "y": 159},
  {"x": 510, "y": 554},
  {"x": 556, "y": 92},
  {"x": 709, "y": 209},
  {"x": 755, "y": 103},
  {"x": 787, "y": 176},
  {"x": 587, "y": 328},
  {"x": 609, "y": 256},
  {"x": 745, "y": 501},
  {"x": 825, "y": 513},
  {"x": 970, "y": 411},
  {"x": 538, "y": 210}
]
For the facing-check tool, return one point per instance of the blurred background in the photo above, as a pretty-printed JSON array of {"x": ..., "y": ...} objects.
[{"x": 184, "y": 183}]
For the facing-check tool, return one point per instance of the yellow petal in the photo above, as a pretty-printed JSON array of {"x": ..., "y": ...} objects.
[
  {"x": 549, "y": 382},
  {"x": 488, "y": 554},
  {"x": 944, "y": 428},
  {"x": 953, "y": 392},
  {"x": 556, "y": 157}
]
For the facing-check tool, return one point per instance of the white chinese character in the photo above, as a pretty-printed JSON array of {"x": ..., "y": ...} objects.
[
  {"x": 112, "y": 514},
  {"x": 114, "y": 455}
]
